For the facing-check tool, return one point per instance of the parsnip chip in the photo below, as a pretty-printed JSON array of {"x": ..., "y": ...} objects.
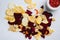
[
  {"x": 25, "y": 21},
  {"x": 53, "y": 19},
  {"x": 50, "y": 30},
  {"x": 38, "y": 19},
  {"x": 41, "y": 10},
  {"x": 10, "y": 18},
  {"x": 37, "y": 36},
  {"x": 25, "y": 15},
  {"x": 9, "y": 12},
  {"x": 31, "y": 18},
  {"x": 13, "y": 28},
  {"x": 11, "y": 5},
  {"x": 44, "y": 19},
  {"x": 18, "y": 9},
  {"x": 28, "y": 1},
  {"x": 31, "y": 6}
]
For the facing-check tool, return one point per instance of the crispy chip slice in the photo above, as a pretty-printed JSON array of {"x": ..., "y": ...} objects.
[
  {"x": 25, "y": 15},
  {"x": 10, "y": 18},
  {"x": 18, "y": 9},
  {"x": 13, "y": 28},
  {"x": 28, "y": 1},
  {"x": 31, "y": 18},
  {"x": 24, "y": 21},
  {"x": 37, "y": 36},
  {"x": 50, "y": 31},
  {"x": 31, "y": 6},
  {"x": 38, "y": 19},
  {"x": 9, "y": 12},
  {"x": 44, "y": 19},
  {"x": 41, "y": 10}
]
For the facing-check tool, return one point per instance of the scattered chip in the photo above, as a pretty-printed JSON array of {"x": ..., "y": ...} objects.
[
  {"x": 18, "y": 9},
  {"x": 10, "y": 18},
  {"x": 28, "y": 1},
  {"x": 38, "y": 20},
  {"x": 31, "y": 6},
  {"x": 31, "y": 18},
  {"x": 25, "y": 21},
  {"x": 9, "y": 12}
]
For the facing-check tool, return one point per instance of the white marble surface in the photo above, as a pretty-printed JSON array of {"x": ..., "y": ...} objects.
[{"x": 7, "y": 35}]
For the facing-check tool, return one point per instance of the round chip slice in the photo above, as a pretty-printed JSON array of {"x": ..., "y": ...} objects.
[
  {"x": 28, "y": 1},
  {"x": 24, "y": 21},
  {"x": 38, "y": 19},
  {"x": 31, "y": 18},
  {"x": 31, "y": 6},
  {"x": 10, "y": 18},
  {"x": 18, "y": 9},
  {"x": 41, "y": 10},
  {"x": 44, "y": 19},
  {"x": 9, "y": 12}
]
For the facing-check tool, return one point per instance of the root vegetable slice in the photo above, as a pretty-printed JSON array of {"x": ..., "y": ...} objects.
[
  {"x": 13, "y": 29},
  {"x": 38, "y": 19},
  {"x": 10, "y": 18},
  {"x": 31, "y": 18},
  {"x": 44, "y": 19},
  {"x": 28, "y": 1},
  {"x": 18, "y": 9},
  {"x": 37, "y": 36},
  {"x": 25, "y": 15},
  {"x": 50, "y": 30},
  {"x": 31, "y": 6},
  {"x": 9, "y": 12},
  {"x": 53, "y": 19},
  {"x": 41, "y": 10},
  {"x": 24, "y": 21}
]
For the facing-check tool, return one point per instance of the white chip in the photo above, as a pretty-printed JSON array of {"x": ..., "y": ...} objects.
[
  {"x": 24, "y": 21},
  {"x": 38, "y": 19}
]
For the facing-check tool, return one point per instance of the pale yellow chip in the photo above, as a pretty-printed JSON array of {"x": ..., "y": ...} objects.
[
  {"x": 38, "y": 19},
  {"x": 53, "y": 19},
  {"x": 31, "y": 6},
  {"x": 28, "y": 1},
  {"x": 50, "y": 31},
  {"x": 10, "y": 18},
  {"x": 44, "y": 19},
  {"x": 9, "y": 12},
  {"x": 18, "y": 9},
  {"x": 37, "y": 36},
  {"x": 31, "y": 18},
  {"x": 40, "y": 27},
  {"x": 13, "y": 29},
  {"x": 24, "y": 21},
  {"x": 41, "y": 11},
  {"x": 25, "y": 15}
]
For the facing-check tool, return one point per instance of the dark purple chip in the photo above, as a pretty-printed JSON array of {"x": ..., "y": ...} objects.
[
  {"x": 42, "y": 6},
  {"x": 47, "y": 14},
  {"x": 11, "y": 23},
  {"x": 18, "y": 18},
  {"x": 31, "y": 24},
  {"x": 29, "y": 12}
]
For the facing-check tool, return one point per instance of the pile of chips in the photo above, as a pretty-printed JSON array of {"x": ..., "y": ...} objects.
[{"x": 30, "y": 23}]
